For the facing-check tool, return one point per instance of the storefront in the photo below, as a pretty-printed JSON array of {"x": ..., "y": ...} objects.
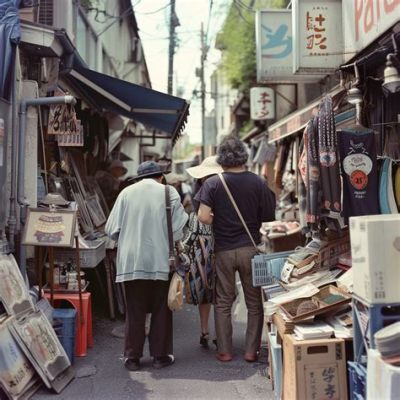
[
  {"x": 55, "y": 143},
  {"x": 323, "y": 323}
]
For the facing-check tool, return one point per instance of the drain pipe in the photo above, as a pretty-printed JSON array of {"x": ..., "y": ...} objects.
[
  {"x": 12, "y": 219},
  {"x": 23, "y": 204}
]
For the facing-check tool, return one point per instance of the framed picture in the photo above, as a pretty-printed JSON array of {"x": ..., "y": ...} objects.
[
  {"x": 13, "y": 292},
  {"x": 49, "y": 228},
  {"x": 18, "y": 378},
  {"x": 95, "y": 210},
  {"x": 37, "y": 339}
]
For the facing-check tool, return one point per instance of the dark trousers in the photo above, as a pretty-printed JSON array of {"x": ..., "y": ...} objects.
[
  {"x": 142, "y": 297},
  {"x": 227, "y": 263}
]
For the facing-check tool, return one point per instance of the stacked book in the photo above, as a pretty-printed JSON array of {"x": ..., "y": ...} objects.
[{"x": 316, "y": 330}]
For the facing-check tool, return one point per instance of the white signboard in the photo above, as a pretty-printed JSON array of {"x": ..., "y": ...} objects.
[
  {"x": 262, "y": 103},
  {"x": 274, "y": 44},
  {"x": 317, "y": 39},
  {"x": 365, "y": 20}
]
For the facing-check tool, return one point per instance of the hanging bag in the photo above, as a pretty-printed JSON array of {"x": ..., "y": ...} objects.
[{"x": 175, "y": 292}]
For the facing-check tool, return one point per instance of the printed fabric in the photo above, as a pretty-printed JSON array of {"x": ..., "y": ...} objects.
[
  {"x": 198, "y": 246},
  {"x": 360, "y": 176}
]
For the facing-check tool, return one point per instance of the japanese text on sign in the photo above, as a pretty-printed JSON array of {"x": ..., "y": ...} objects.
[
  {"x": 62, "y": 120},
  {"x": 262, "y": 103},
  {"x": 316, "y": 30}
]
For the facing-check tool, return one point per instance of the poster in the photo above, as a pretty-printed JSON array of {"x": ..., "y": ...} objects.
[
  {"x": 13, "y": 292},
  {"x": 17, "y": 374},
  {"x": 49, "y": 228},
  {"x": 40, "y": 344}
]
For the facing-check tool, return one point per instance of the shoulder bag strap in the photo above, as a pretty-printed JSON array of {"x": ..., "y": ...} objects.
[
  {"x": 169, "y": 222},
  {"x": 237, "y": 210}
]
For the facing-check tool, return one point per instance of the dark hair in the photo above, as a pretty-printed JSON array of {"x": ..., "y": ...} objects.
[{"x": 232, "y": 152}]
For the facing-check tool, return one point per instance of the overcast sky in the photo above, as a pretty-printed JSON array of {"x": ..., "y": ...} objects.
[{"x": 153, "y": 21}]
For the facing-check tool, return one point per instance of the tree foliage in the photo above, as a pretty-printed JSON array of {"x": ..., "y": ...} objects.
[{"x": 238, "y": 43}]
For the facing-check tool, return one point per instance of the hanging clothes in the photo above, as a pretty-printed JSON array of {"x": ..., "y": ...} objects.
[
  {"x": 313, "y": 172},
  {"x": 360, "y": 175},
  {"x": 329, "y": 166},
  {"x": 302, "y": 184}
]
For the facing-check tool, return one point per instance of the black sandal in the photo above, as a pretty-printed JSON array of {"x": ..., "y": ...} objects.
[{"x": 204, "y": 340}]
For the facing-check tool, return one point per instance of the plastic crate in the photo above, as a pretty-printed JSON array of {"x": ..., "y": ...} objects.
[
  {"x": 367, "y": 320},
  {"x": 65, "y": 323},
  {"x": 89, "y": 257},
  {"x": 266, "y": 268},
  {"x": 68, "y": 317},
  {"x": 68, "y": 343},
  {"x": 276, "y": 355},
  {"x": 357, "y": 380}
]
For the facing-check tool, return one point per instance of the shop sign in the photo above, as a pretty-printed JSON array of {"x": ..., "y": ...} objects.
[
  {"x": 365, "y": 20},
  {"x": 317, "y": 38},
  {"x": 72, "y": 139},
  {"x": 262, "y": 103},
  {"x": 274, "y": 44},
  {"x": 62, "y": 120}
]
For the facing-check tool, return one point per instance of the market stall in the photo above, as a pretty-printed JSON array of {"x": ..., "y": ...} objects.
[{"x": 331, "y": 309}]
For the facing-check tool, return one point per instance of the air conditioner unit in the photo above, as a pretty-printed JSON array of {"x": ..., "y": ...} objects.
[{"x": 58, "y": 14}]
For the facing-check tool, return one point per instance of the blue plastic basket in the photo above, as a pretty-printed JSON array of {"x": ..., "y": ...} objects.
[
  {"x": 357, "y": 380},
  {"x": 66, "y": 330},
  {"x": 266, "y": 268},
  {"x": 68, "y": 317},
  {"x": 68, "y": 343},
  {"x": 367, "y": 320}
]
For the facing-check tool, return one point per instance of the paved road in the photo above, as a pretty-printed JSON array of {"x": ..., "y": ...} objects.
[{"x": 195, "y": 375}]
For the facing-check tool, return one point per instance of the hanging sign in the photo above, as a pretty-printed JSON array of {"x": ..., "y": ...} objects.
[
  {"x": 317, "y": 36},
  {"x": 262, "y": 103},
  {"x": 365, "y": 20},
  {"x": 62, "y": 120},
  {"x": 274, "y": 44}
]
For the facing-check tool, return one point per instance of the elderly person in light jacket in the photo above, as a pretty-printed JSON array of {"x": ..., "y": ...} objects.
[{"x": 138, "y": 221}]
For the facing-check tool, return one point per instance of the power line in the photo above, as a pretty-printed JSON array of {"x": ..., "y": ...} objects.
[
  {"x": 155, "y": 11},
  {"x": 239, "y": 9}
]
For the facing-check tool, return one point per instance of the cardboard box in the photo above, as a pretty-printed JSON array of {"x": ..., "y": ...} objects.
[
  {"x": 329, "y": 254},
  {"x": 375, "y": 251},
  {"x": 314, "y": 369}
]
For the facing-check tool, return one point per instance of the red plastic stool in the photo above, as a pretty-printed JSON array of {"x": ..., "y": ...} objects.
[{"x": 84, "y": 332}]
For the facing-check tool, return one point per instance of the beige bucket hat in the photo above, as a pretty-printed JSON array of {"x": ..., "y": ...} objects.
[
  {"x": 173, "y": 178},
  {"x": 209, "y": 166}
]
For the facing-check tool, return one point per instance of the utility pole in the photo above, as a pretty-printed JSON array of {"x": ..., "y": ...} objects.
[
  {"x": 172, "y": 25},
  {"x": 203, "y": 91}
]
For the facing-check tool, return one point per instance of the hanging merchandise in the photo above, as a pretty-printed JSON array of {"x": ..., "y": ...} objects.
[
  {"x": 390, "y": 191},
  {"x": 313, "y": 172},
  {"x": 387, "y": 202},
  {"x": 397, "y": 186},
  {"x": 360, "y": 176},
  {"x": 261, "y": 153},
  {"x": 302, "y": 183},
  {"x": 280, "y": 163},
  {"x": 329, "y": 167}
]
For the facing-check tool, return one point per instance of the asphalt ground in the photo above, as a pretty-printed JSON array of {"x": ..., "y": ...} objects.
[{"x": 196, "y": 373}]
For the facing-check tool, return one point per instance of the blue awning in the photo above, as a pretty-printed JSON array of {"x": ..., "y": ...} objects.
[{"x": 158, "y": 110}]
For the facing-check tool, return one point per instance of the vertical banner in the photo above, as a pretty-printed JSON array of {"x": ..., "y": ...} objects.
[
  {"x": 274, "y": 45},
  {"x": 317, "y": 36},
  {"x": 262, "y": 103}
]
